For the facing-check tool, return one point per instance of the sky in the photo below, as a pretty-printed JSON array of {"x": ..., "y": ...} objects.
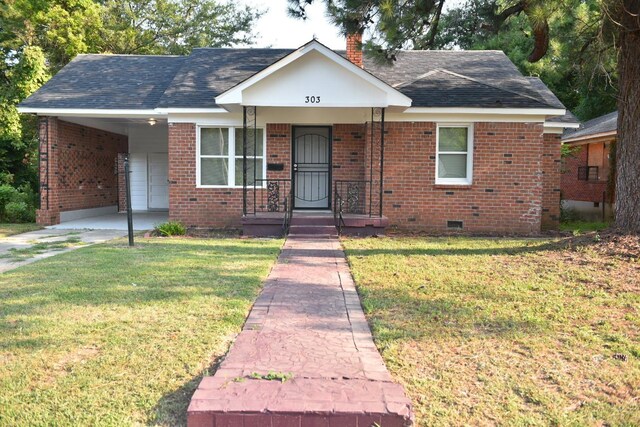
[{"x": 277, "y": 29}]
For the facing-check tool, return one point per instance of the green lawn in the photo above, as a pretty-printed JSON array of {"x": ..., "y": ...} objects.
[
  {"x": 583, "y": 226},
  {"x": 109, "y": 335},
  {"x": 520, "y": 332},
  {"x": 11, "y": 229}
]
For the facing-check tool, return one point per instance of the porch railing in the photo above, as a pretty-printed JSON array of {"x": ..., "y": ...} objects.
[
  {"x": 356, "y": 195},
  {"x": 270, "y": 195},
  {"x": 288, "y": 212}
]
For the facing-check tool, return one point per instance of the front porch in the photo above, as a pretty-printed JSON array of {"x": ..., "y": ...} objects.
[
  {"x": 315, "y": 178},
  {"x": 265, "y": 224}
]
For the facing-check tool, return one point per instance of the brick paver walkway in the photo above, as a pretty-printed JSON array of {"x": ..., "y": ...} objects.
[{"x": 307, "y": 322}]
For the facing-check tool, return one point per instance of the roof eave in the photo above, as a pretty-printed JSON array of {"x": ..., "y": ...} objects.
[{"x": 589, "y": 136}]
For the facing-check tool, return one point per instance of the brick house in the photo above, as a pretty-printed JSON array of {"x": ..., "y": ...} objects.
[
  {"x": 438, "y": 140},
  {"x": 587, "y": 182}
]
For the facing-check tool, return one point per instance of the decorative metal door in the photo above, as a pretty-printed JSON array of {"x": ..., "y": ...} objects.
[{"x": 311, "y": 167}]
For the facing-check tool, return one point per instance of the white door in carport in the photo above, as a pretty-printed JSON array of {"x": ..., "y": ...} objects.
[
  {"x": 138, "y": 166},
  {"x": 158, "y": 181}
]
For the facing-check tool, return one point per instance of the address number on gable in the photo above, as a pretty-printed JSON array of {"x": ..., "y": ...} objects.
[{"x": 312, "y": 100}]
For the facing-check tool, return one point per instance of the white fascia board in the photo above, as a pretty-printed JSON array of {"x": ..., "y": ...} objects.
[
  {"x": 553, "y": 131},
  {"x": 560, "y": 125},
  {"x": 84, "y": 112},
  {"x": 190, "y": 110},
  {"x": 502, "y": 111},
  {"x": 234, "y": 95}
]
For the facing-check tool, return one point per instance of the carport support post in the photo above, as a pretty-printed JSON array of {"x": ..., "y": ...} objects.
[{"x": 127, "y": 184}]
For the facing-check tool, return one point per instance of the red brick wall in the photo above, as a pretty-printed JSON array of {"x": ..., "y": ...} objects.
[
  {"x": 279, "y": 149},
  {"x": 574, "y": 189},
  {"x": 348, "y": 151},
  {"x": 515, "y": 175},
  {"x": 551, "y": 166},
  {"x": 196, "y": 207},
  {"x": 506, "y": 195},
  {"x": 81, "y": 168}
]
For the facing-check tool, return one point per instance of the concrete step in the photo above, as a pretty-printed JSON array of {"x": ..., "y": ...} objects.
[
  {"x": 299, "y": 402},
  {"x": 312, "y": 229},
  {"x": 312, "y": 220}
]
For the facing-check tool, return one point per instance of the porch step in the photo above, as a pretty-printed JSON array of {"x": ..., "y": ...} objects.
[
  {"x": 312, "y": 229},
  {"x": 298, "y": 219}
]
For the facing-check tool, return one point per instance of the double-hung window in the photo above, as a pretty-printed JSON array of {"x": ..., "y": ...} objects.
[
  {"x": 220, "y": 153},
  {"x": 454, "y": 157}
]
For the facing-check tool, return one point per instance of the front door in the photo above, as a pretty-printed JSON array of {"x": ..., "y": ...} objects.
[{"x": 311, "y": 167}]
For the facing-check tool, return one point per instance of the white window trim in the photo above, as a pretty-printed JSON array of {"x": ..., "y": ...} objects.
[
  {"x": 231, "y": 156},
  {"x": 455, "y": 181}
]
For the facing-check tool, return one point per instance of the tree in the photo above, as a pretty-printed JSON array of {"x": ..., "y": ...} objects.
[
  {"x": 585, "y": 86},
  {"x": 174, "y": 26},
  {"x": 397, "y": 24},
  {"x": 625, "y": 16},
  {"x": 39, "y": 37}
]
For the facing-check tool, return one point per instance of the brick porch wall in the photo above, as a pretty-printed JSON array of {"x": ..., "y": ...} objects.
[
  {"x": 506, "y": 194},
  {"x": 81, "y": 170},
  {"x": 572, "y": 187},
  {"x": 551, "y": 166}
]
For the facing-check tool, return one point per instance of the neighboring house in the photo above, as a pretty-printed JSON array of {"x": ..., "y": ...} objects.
[
  {"x": 438, "y": 140},
  {"x": 587, "y": 181}
]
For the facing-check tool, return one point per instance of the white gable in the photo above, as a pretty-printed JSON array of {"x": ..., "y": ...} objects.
[{"x": 313, "y": 76}]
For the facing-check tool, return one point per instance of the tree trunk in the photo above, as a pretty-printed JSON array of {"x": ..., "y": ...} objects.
[{"x": 628, "y": 145}]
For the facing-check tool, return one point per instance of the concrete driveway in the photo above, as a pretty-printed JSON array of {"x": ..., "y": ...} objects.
[{"x": 25, "y": 248}]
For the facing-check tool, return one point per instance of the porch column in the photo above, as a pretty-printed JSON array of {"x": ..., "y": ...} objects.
[
  {"x": 381, "y": 158},
  {"x": 249, "y": 136},
  {"x": 49, "y": 211}
]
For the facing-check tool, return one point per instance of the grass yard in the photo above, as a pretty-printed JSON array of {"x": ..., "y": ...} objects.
[
  {"x": 11, "y": 229},
  {"x": 109, "y": 335},
  {"x": 578, "y": 227},
  {"x": 486, "y": 331}
]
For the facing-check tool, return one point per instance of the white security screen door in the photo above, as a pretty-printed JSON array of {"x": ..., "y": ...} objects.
[
  {"x": 311, "y": 154},
  {"x": 158, "y": 181}
]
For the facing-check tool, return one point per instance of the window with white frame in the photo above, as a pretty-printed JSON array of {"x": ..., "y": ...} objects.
[
  {"x": 220, "y": 152},
  {"x": 454, "y": 158}
]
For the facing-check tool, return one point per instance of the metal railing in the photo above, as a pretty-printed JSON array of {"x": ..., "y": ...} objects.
[
  {"x": 351, "y": 197},
  {"x": 338, "y": 205},
  {"x": 288, "y": 212},
  {"x": 356, "y": 196},
  {"x": 270, "y": 195},
  {"x": 588, "y": 173}
]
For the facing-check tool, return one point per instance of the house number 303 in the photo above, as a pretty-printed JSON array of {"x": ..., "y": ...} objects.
[{"x": 312, "y": 100}]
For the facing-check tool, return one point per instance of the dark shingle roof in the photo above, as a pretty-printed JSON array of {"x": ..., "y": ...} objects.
[
  {"x": 444, "y": 89},
  {"x": 606, "y": 123},
  {"x": 108, "y": 82},
  {"x": 488, "y": 67},
  {"x": 209, "y": 72},
  {"x": 429, "y": 78}
]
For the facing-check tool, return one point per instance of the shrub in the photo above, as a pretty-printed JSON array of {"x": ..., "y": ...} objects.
[
  {"x": 19, "y": 212},
  {"x": 171, "y": 228},
  {"x": 17, "y": 204}
]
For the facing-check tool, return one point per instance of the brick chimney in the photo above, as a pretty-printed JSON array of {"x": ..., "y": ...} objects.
[{"x": 354, "y": 48}]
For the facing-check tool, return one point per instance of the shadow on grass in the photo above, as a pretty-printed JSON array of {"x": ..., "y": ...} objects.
[
  {"x": 171, "y": 409},
  {"x": 534, "y": 247}
]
